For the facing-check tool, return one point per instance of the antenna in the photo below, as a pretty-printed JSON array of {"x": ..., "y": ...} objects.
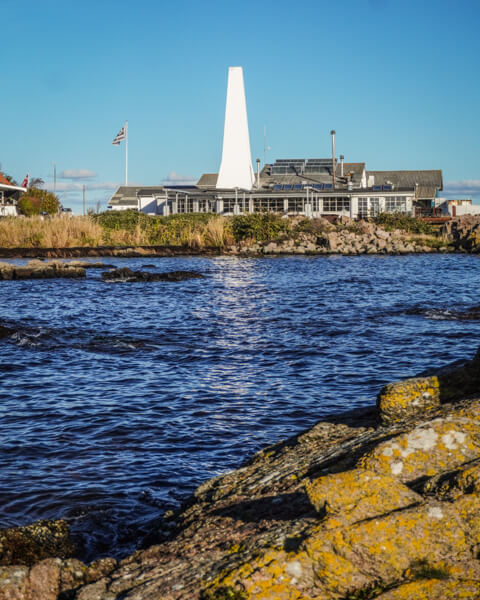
[{"x": 265, "y": 147}]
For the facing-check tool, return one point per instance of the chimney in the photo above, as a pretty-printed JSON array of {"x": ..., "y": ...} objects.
[
  {"x": 341, "y": 165},
  {"x": 334, "y": 175},
  {"x": 258, "y": 173}
]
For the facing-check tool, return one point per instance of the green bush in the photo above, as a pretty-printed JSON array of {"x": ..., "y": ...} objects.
[
  {"x": 36, "y": 201},
  {"x": 391, "y": 221},
  {"x": 28, "y": 206},
  {"x": 259, "y": 226}
]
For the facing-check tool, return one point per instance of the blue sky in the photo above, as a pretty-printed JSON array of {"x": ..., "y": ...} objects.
[{"x": 398, "y": 80}]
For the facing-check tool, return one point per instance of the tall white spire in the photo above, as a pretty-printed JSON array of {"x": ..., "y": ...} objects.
[{"x": 236, "y": 169}]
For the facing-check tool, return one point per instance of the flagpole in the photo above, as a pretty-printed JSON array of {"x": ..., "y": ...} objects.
[{"x": 126, "y": 152}]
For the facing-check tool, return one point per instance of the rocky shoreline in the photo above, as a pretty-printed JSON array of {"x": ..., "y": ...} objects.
[
  {"x": 345, "y": 237},
  {"x": 382, "y": 502}
]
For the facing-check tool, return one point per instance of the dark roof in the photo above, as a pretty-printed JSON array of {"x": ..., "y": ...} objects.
[
  {"x": 208, "y": 180},
  {"x": 428, "y": 181},
  {"x": 125, "y": 195},
  {"x": 355, "y": 169}
]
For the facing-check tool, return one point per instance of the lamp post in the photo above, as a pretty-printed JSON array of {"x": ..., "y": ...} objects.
[{"x": 333, "y": 158}]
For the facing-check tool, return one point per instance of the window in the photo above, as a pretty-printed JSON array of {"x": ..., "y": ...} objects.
[
  {"x": 396, "y": 204},
  {"x": 363, "y": 208},
  {"x": 336, "y": 204}
]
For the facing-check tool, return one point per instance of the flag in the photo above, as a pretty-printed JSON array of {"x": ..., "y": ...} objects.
[
  {"x": 121, "y": 135},
  {"x": 25, "y": 182}
]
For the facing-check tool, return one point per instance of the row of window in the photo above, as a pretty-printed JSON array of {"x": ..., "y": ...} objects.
[{"x": 367, "y": 207}]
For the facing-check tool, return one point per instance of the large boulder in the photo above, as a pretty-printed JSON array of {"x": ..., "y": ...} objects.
[{"x": 402, "y": 399}]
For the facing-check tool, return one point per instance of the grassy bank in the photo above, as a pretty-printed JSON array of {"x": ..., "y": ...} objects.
[
  {"x": 129, "y": 228},
  {"x": 121, "y": 229},
  {"x": 198, "y": 231}
]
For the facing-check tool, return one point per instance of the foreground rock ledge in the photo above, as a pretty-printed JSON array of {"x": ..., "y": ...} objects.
[{"x": 364, "y": 505}]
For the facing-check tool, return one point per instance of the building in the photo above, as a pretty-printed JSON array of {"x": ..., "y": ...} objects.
[
  {"x": 9, "y": 196},
  {"x": 312, "y": 187},
  {"x": 293, "y": 187},
  {"x": 456, "y": 207}
]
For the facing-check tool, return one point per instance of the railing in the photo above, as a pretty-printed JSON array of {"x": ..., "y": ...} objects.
[{"x": 425, "y": 213}]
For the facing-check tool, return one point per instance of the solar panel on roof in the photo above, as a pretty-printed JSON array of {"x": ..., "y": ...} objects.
[
  {"x": 287, "y": 187},
  {"x": 277, "y": 187},
  {"x": 377, "y": 188},
  {"x": 318, "y": 186},
  {"x": 297, "y": 186},
  {"x": 328, "y": 186},
  {"x": 388, "y": 188}
]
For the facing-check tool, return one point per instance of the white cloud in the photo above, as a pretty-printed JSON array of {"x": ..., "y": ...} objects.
[
  {"x": 468, "y": 187},
  {"x": 174, "y": 178},
  {"x": 77, "y": 174},
  {"x": 72, "y": 186}
]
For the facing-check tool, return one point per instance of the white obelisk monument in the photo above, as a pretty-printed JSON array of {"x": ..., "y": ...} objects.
[{"x": 236, "y": 169}]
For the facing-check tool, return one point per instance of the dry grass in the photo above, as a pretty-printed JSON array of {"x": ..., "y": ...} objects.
[
  {"x": 65, "y": 232},
  {"x": 218, "y": 233},
  {"x": 54, "y": 232}
]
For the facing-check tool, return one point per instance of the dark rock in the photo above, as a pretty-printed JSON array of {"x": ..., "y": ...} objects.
[
  {"x": 37, "y": 269},
  {"x": 6, "y": 331},
  {"x": 126, "y": 274},
  {"x": 31, "y": 543}
]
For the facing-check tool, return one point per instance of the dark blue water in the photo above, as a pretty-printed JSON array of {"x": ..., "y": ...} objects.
[{"x": 119, "y": 399}]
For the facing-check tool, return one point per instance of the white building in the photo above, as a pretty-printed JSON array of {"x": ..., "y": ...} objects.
[
  {"x": 9, "y": 196},
  {"x": 311, "y": 187}
]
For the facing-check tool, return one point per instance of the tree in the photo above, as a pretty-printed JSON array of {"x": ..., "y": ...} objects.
[
  {"x": 36, "y": 201},
  {"x": 36, "y": 182}
]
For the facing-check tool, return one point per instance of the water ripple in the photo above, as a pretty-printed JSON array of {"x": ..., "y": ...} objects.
[{"x": 117, "y": 401}]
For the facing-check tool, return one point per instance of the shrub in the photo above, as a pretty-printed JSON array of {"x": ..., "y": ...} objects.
[
  {"x": 259, "y": 226},
  {"x": 36, "y": 201},
  {"x": 391, "y": 221},
  {"x": 29, "y": 206}
]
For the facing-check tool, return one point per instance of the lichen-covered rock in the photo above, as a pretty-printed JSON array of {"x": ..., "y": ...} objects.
[
  {"x": 31, "y": 543},
  {"x": 358, "y": 494},
  {"x": 433, "y": 589},
  {"x": 453, "y": 484},
  {"x": 442, "y": 444},
  {"x": 403, "y": 399},
  {"x": 330, "y": 564}
]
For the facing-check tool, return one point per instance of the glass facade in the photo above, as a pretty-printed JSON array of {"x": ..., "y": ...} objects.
[
  {"x": 336, "y": 204},
  {"x": 396, "y": 204}
]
